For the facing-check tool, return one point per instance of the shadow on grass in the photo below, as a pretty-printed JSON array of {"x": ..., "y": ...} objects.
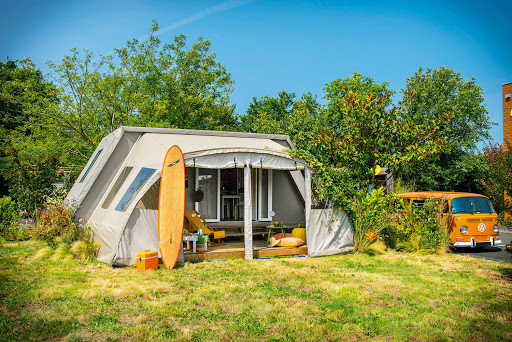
[
  {"x": 25, "y": 329},
  {"x": 507, "y": 272}
]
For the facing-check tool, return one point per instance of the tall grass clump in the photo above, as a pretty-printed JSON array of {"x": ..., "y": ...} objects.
[
  {"x": 370, "y": 215},
  {"x": 80, "y": 245},
  {"x": 62, "y": 253},
  {"x": 44, "y": 253},
  {"x": 65, "y": 238},
  {"x": 85, "y": 247}
]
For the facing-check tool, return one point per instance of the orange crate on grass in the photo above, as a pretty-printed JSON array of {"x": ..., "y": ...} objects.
[{"x": 147, "y": 260}]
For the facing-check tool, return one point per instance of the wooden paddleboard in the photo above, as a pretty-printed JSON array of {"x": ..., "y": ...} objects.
[{"x": 171, "y": 207}]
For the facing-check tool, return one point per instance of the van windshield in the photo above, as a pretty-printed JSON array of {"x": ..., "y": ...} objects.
[{"x": 471, "y": 205}]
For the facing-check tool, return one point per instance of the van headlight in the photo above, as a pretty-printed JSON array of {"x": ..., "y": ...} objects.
[
  {"x": 496, "y": 228},
  {"x": 464, "y": 230}
]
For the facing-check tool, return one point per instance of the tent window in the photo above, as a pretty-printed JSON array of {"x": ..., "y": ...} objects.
[
  {"x": 90, "y": 166},
  {"x": 137, "y": 183},
  {"x": 150, "y": 198},
  {"x": 117, "y": 185}
]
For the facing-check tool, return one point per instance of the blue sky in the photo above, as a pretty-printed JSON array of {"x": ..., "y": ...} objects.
[{"x": 297, "y": 46}]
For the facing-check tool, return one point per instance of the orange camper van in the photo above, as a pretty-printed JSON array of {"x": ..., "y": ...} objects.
[{"x": 472, "y": 220}]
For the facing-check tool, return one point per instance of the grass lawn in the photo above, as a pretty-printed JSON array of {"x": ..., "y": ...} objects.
[{"x": 345, "y": 297}]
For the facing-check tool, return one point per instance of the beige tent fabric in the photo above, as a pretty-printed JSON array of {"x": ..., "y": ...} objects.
[
  {"x": 105, "y": 149},
  {"x": 329, "y": 232}
]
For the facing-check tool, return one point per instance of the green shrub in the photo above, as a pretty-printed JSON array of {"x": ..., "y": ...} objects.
[
  {"x": 56, "y": 220},
  {"x": 8, "y": 213},
  {"x": 66, "y": 239},
  {"x": 433, "y": 227},
  {"x": 419, "y": 228},
  {"x": 16, "y": 233},
  {"x": 9, "y": 227},
  {"x": 370, "y": 215}
]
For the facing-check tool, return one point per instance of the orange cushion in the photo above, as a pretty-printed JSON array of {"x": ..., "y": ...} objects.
[
  {"x": 280, "y": 236},
  {"x": 290, "y": 242}
]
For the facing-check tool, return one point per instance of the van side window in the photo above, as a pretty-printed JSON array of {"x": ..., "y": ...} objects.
[{"x": 418, "y": 202}]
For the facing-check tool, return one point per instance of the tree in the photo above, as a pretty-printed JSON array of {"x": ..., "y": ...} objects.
[
  {"x": 31, "y": 165},
  {"x": 22, "y": 90},
  {"x": 368, "y": 134},
  {"x": 268, "y": 111},
  {"x": 300, "y": 121},
  {"x": 336, "y": 94},
  {"x": 144, "y": 83},
  {"x": 436, "y": 93},
  {"x": 29, "y": 158},
  {"x": 498, "y": 186}
]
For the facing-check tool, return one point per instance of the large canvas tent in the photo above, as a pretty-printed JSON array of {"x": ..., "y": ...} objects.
[{"x": 117, "y": 191}]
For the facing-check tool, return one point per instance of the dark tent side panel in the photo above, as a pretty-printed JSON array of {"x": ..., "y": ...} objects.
[{"x": 286, "y": 200}]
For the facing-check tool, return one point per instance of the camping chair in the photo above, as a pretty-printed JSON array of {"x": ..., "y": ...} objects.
[{"x": 196, "y": 222}]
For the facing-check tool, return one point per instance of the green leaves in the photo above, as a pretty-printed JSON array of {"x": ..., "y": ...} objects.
[
  {"x": 29, "y": 155},
  {"x": 441, "y": 98},
  {"x": 370, "y": 214},
  {"x": 144, "y": 83},
  {"x": 369, "y": 133},
  {"x": 498, "y": 187},
  {"x": 438, "y": 92}
]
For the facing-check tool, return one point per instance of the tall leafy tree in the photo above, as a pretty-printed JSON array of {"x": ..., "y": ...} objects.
[
  {"x": 369, "y": 134},
  {"x": 498, "y": 185},
  {"x": 359, "y": 85},
  {"x": 277, "y": 110},
  {"x": 300, "y": 119},
  {"x": 434, "y": 94},
  {"x": 29, "y": 156},
  {"x": 144, "y": 83}
]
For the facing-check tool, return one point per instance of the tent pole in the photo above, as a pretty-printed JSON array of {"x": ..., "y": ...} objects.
[
  {"x": 307, "y": 190},
  {"x": 247, "y": 213}
]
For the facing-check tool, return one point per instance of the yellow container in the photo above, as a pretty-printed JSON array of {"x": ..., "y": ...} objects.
[
  {"x": 299, "y": 233},
  {"x": 147, "y": 260}
]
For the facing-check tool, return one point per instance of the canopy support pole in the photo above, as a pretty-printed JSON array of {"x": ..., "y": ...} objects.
[
  {"x": 307, "y": 190},
  {"x": 247, "y": 213}
]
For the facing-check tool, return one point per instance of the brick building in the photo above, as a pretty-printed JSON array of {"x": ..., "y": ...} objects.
[{"x": 507, "y": 113}]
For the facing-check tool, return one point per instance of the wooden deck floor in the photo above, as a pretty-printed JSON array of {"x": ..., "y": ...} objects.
[{"x": 235, "y": 249}]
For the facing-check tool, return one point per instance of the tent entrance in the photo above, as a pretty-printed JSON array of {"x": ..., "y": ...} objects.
[{"x": 223, "y": 194}]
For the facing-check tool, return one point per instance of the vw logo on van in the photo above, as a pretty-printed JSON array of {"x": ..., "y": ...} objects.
[{"x": 481, "y": 227}]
